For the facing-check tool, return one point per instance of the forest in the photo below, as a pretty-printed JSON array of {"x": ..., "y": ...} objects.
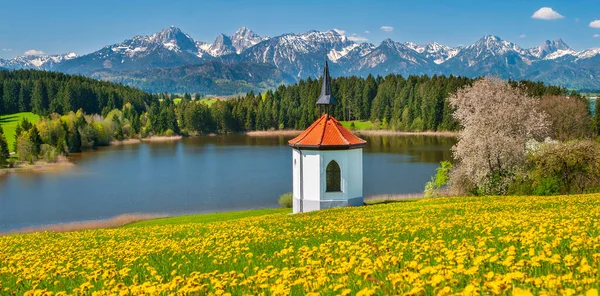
[
  {"x": 79, "y": 113},
  {"x": 413, "y": 103}
]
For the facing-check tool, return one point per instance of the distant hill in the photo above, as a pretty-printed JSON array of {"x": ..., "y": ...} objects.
[
  {"x": 214, "y": 77},
  {"x": 173, "y": 55}
]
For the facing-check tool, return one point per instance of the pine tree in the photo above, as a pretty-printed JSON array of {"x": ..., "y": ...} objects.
[
  {"x": 4, "y": 153},
  {"x": 39, "y": 98},
  {"x": 11, "y": 96},
  {"x": 597, "y": 116},
  {"x": 24, "y": 98},
  {"x": 36, "y": 140}
]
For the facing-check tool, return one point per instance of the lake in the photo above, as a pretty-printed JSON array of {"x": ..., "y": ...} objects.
[{"x": 198, "y": 174}]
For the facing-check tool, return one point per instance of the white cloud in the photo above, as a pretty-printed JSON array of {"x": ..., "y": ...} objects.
[
  {"x": 522, "y": 36},
  {"x": 34, "y": 52},
  {"x": 576, "y": 19},
  {"x": 7, "y": 49},
  {"x": 546, "y": 13},
  {"x": 387, "y": 28},
  {"x": 367, "y": 31},
  {"x": 358, "y": 38},
  {"x": 340, "y": 31},
  {"x": 595, "y": 24},
  {"x": 596, "y": 35}
]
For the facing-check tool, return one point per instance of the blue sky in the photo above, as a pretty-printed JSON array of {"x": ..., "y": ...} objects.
[{"x": 85, "y": 26}]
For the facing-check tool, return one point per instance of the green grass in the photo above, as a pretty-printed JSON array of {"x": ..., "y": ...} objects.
[
  {"x": 358, "y": 124},
  {"x": 498, "y": 245},
  {"x": 207, "y": 218},
  {"x": 207, "y": 101},
  {"x": 9, "y": 124}
]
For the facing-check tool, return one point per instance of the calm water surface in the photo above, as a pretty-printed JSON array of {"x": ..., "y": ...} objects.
[{"x": 201, "y": 174}]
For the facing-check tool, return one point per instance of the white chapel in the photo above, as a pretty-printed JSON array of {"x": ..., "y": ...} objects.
[{"x": 327, "y": 161}]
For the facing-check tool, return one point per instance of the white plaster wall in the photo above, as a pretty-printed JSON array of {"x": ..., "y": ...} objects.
[
  {"x": 296, "y": 173},
  {"x": 314, "y": 169},
  {"x": 312, "y": 180},
  {"x": 350, "y": 162},
  {"x": 355, "y": 173},
  {"x": 310, "y": 170}
]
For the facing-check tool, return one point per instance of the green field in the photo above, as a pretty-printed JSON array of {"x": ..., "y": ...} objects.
[
  {"x": 358, "y": 124},
  {"x": 207, "y": 101},
  {"x": 9, "y": 124},
  {"x": 465, "y": 245},
  {"x": 207, "y": 218}
]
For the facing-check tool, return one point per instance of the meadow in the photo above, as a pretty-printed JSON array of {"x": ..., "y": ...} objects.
[
  {"x": 471, "y": 245},
  {"x": 207, "y": 101},
  {"x": 9, "y": 124},
  {"x": 359, "y": 124}
]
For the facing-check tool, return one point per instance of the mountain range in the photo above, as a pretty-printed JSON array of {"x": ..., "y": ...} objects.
[{"x": 173, "y": 61}]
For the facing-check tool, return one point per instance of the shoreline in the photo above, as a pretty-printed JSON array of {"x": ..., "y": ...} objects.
[
  {"x": 113, "y": 222},
  {"x": 291, "y": 133},
  {"x": 128, "y": 218},
  {"x": 153, "y": 139},
  {"x": 62, "y": 163},
  {"x": 393, "y": 197}
]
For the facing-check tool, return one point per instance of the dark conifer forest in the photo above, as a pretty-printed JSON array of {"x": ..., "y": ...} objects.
[{"x": 413, "y": 103}]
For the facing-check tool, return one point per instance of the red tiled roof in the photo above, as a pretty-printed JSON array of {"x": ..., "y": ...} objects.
[{"x": 327, "y": 133}]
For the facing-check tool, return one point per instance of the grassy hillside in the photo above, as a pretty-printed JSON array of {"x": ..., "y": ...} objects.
[
  {"x": 483, "y": 245},
  {"x": 358, "y": 124},
  {"x": 207, "y": 101},
  {"x": 9, "y": 124},
  {"x": 207, "y": 218}
]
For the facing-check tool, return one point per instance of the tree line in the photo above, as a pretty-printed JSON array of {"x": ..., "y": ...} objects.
[
  {"x": 413, "y": 103},
  {"x": 44, "y": 93}
]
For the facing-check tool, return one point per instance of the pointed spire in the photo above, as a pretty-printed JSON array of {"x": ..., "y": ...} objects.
[{"x": 326, "y": 97}]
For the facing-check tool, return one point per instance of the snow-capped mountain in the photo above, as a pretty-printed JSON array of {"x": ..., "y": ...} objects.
[
  {"x": 221, "y": 46},
  {"x": 245, "y": 38},
  {"x": 167, "y": 48},
  {"x": 587, "y": 54},
  {"x": 390, "y": 57},
  {"x": 38, "y": 62},
  {"x": 550, "y": 50},
  {"x": 437, "y": 52},
  {"x": 241, "y": 40},
  {"x": 301, "y": 55}
]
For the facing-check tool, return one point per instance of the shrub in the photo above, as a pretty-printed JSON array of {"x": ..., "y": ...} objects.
[
  {"x": 569, "y": 117},
  {"x": 573, "y": 166},
  {"x": 440, "y": 179},
  {"x": 286, "y": 200},
  {"x": 49, "y": 153},
  {"x": 169, "y": 133},
  {"x": 25, "y": 148},
  {"x": 418, "y": 125},
  {"x": 89, "y": 136},
  {"x": 546, "y": 186}
]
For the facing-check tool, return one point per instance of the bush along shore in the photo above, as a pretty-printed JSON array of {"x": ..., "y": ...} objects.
[
  {"x": 44, "y": 144},
  {"x": 511, "y": 143}
]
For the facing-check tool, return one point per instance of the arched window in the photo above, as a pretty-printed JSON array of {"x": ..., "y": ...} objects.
[{"x": 334, "y": 177}]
